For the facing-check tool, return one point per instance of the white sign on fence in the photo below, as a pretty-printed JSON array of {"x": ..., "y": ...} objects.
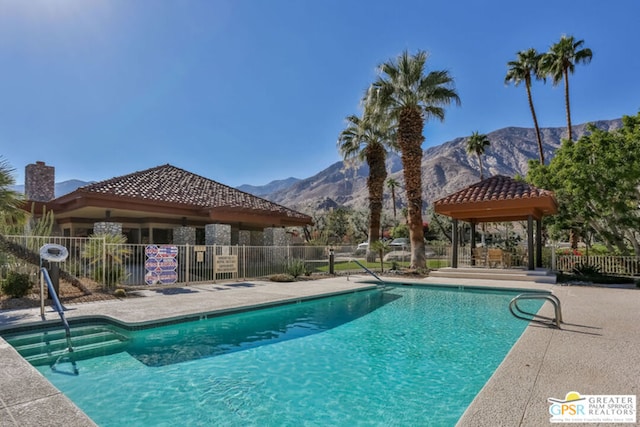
[{"x": 226, "y": 263}]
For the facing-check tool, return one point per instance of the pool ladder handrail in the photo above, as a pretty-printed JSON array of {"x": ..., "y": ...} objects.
[
  {"x": 537, "y": 318},
  {"x": 382, "y": 282},
  {"x": 58, "y": 307}
]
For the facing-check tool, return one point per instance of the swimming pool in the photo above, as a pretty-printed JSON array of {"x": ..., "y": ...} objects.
[{"x": 406, "y": 356}]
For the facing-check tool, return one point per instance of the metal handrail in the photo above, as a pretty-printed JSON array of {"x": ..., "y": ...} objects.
[
  {"x": 382, "y": 282},
  {"x": 56, "y": 302},
  {"x": 58, "y": 307},
  {"x": 537, "y": 318}
]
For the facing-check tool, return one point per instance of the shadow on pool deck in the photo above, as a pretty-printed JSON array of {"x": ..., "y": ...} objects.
[{"x": 596, "y": 352}]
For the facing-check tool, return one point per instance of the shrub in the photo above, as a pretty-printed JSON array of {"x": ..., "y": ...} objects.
[
  {"x": 297, "y": 267},
  {"x": 107, "y": 252},
  {"x": 120, "y": 293},
  {"x": 587, "y": 270},
  {"x": 16, "y": 285}
]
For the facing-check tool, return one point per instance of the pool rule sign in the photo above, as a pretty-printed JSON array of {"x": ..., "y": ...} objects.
[{"x": 161, "y": 264}]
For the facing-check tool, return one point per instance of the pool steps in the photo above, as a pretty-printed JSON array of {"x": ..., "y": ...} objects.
[{"x": 44, "y": 348}]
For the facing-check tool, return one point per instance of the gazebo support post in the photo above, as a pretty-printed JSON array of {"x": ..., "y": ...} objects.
[
  {"x": 473, "y": 242},
  {"x": 454, "y": 239},
  {"x": 530, "y": 256},
  {"x": 539, "y": 243}
]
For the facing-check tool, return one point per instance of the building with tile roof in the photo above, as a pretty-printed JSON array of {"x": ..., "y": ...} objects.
[
  {"x": 500, "y": 199},
  {"x": 152, "y": 205}
]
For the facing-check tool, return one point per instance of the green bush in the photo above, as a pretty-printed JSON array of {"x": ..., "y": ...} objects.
[
  {"x": 297, "y": 267},
  {"x": 16, "y": 285},
  {"x": 587, "y": 270},
  {"x": 112, "y": 276}
]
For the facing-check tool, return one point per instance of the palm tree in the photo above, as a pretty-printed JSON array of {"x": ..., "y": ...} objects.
[
  {"x": 560, "y": 61},
  {"x": 521, "y": 70},
  {"x": 410, "y": 97},
  {"x": 392, "y": 184},
  {"x": 10, "y": 212},
  {"x": 477, "y": 143},
  {"x": 367, "y": 138}
]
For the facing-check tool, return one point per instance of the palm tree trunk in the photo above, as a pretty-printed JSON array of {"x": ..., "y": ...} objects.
[
  {"x": 480, "y": 162},
  {"x": 410, "y": 125},
  {"x": 375, "y": 182},
  {"x": 566, "y": 99},
  {"x": 393, "y": 198},
  {"x": 535, "y": 123}
]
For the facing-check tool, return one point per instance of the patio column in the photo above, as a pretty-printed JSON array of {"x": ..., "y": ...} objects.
[
  {"x": 473, "y": 242},
  {"x": 184, "y": 235},
  {"x": 275, "y": 236},
  {"x": 217, "y": 234},
  {"x": 244, "y": 238},
  {"x": 257, "y": 238},
  {"x": 530, "y": 254},
  {"x": 114, "y": 228},
  {"x": 454, "y": 238},
  {"x": 539, "y": 243}
]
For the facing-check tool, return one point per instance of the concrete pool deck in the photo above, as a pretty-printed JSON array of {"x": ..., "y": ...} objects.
[{"x": 596, "y": 352}]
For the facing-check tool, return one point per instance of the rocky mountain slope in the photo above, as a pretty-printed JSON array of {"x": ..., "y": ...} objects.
[{"x": 445, "y": 169}]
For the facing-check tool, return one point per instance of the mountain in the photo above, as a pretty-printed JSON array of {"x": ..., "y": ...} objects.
[
  {"x": 60, "y": 189},
  {"x": 272, "y": 187},
  {"x": 445, "y": 169}
]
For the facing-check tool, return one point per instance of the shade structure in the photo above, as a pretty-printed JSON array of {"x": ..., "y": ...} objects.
[
  {"x": 500, "y": 199},
  {"x": 496, "y": 199}
]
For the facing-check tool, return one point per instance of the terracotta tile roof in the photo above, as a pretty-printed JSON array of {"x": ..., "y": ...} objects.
[
  {"x": 496, "y": 188},
  {"x": 169, "y": 184}
]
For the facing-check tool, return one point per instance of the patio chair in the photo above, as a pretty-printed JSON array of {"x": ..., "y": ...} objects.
[
  {"x": 494, "y": 257},
  {"x": 480, "y": 256}
]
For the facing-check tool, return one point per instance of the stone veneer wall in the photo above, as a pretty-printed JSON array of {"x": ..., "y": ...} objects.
[
  {"x": 257, "y": 238},
  {"x": 184, "y": 236},
  {"x": 39, "y": 182},
  {"x": 275, "y": 237},
  {"x": 114, "y": 228},
  {"x": 217, "y": 234},
  {"x": 244, "y": 238}
]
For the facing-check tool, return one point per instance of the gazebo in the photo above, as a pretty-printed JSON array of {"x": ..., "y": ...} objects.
[{"x": 499, "y": 199}]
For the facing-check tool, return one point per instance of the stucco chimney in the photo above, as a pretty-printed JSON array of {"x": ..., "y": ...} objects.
[{"x": 39, "y": 182}]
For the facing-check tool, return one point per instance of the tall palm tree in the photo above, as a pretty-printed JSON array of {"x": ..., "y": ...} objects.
[
  {"x": 10, "y": 211},
  {"x": 392, "y": 184},
  {"x": 560, "y": 61},
  {"x": 477, "y": 144},
  {"x": 410, "y": 97},
  {"x": 368, "y": 138},
  {"x": 522, "y": 70}
]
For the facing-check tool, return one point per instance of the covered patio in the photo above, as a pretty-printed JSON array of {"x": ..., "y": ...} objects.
[{"x": 499, "y": 199}]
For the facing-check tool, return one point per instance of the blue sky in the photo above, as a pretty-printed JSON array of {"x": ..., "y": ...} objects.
[{"x": 249, "y": 91}]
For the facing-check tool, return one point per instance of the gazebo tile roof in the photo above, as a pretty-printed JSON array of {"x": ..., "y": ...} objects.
[
  {"x": 497, "y": 198},
  {"x": 169, "y": 184},
  {"x": 496, "y": 188}
]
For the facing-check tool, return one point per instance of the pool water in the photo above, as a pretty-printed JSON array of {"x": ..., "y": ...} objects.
[{"x": 406, "y": 356}]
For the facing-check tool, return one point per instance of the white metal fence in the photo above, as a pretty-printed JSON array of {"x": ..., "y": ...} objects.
[
  {"x": 136, "y": 264},
  {"x": 615, "y": 265}
]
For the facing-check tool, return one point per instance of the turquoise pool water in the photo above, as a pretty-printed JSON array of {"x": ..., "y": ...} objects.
[{"x": 407, "y": 356}]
